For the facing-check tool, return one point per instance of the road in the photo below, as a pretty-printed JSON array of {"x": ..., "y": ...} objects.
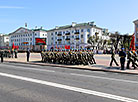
[{"x": 32, "y": 83}]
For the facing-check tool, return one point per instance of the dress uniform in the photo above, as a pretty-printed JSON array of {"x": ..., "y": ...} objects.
[{"x": 122, "y": 56}]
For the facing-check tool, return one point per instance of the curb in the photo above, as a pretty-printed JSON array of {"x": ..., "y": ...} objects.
[{"x": 81, "y": 68}]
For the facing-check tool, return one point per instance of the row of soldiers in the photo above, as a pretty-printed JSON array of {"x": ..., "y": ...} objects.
[{"x": 69, "y": 57}]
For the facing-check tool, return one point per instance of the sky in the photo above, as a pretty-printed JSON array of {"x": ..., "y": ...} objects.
[{"x": 115, "y": 15}]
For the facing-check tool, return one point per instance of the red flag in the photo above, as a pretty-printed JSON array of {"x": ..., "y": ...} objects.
[
  {"x": 13, "y": 46},
  {"x": 132, "y": 45},
  {"x": 66, "y": 47}
]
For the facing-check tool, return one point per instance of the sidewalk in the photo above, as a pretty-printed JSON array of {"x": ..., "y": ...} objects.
[{"x": 102, "y": 64}]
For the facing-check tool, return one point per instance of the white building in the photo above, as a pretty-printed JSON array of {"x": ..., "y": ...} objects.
[
  {"x": 26, "y": 38},
  {"x": 4, "y": 41},
  {"x": 75, "y": 35},
  {"x": 136, "y": 32}
]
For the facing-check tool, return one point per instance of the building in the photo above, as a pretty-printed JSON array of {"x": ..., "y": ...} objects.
[
  {"x": 4, "y": 41},
  {"x": 74, "y": 35},
  {"x": 136, "y": 32},
  {"x": 26, "y": 38}
]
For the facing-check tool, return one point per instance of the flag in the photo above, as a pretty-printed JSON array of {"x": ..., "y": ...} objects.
[
  {"x": 67, "y": 46},
  {"x": 132, "y": 45},
  {"x": 13, "y": 46}
]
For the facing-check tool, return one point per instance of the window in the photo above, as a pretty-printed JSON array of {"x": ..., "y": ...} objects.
[
  {"x": 93, "y": 30},
  {"x": 63, "y": 32},
  {"x": 88, "y": 30},
  {"x": 35, "y": 34},
  {"x": 81, "y": 30},
  {"x": 43, "y": 35},
  {"x": 81, "y": 36},
  {"x": 52, "y": 33},
  {"x": 30, "y": 39},
  {"x": 137, "y": 39},
  {"x": 72, "y": 36},
  {"x": 88, "y": 35},
  {"x": 52, "y": 38},
  {"x": 72, "y": 31},
  {"x": 137, "y": 25}
]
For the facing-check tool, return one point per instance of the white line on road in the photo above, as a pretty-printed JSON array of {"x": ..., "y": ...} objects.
[
  {"x": 71, "y": 88},
  {"x": 98, "y": 77},
  {"x": 34, "y": 69}
]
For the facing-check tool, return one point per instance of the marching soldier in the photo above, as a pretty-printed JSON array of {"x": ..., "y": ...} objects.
[
  {"x": 113, "y": 58},
  {"x": 122, "y": 56}
]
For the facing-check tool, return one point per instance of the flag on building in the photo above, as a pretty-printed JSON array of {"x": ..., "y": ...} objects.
[{"x": 132, "y": 44}]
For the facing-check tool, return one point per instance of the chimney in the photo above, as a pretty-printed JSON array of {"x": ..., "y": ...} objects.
[
  {"x": 73, "y": 24},
  {"x": 56, "y": 27},
  {"x": 91, "y": 23}
]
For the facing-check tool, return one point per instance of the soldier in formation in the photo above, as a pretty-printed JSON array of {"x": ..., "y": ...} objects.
[
  {"x": 132, "y": 58},
  {"x": 75, "y": 57}
]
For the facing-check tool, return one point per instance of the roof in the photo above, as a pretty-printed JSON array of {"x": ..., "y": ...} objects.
[
  {"x": 135, "y": 21},
  {"x": 77, "y": 25},
  {"x": 19, "y": 29},
  {"x": 39, "y": 29},
  {"x": 27, "y": 29}
]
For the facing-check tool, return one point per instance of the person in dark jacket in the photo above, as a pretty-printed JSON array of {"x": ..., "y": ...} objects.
[
  {"x": 1, "y": 55},
  {"x": 122, "y": 56},
  {"x": 28, "y": 54},
  {"x": 15, "y": 53},
  {"x": 113, "y": 58}
]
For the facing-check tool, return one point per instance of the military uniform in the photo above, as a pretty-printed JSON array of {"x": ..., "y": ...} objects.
[
  {"x": 122, "y": 56},
  {"x": 113, "y": 58}
]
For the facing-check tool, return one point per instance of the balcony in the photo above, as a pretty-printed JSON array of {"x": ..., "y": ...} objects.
[
  {"x": 77, "y": 33},
  {"x": 59, "y": 34},
  {"x": 59, "y": 39},
  {"x": 77, "y": 38},
  {"x": 68, "y": 33},
  {"x": 67, "y": 38}
]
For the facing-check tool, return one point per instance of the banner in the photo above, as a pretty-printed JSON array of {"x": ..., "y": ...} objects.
[{"x": 40, "y": 41}]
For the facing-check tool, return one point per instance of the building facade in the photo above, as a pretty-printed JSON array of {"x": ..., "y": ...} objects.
[
  {"x": 4, "y": 41},
  {"x": 74, "y": 35},
  {"x": 136, "y": 32},
  {"x": 26, "y": 38}
]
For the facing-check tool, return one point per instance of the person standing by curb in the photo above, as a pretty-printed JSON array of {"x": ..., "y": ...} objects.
[
  {"x": 1, "y": 54},
  {"x": 28, "y": 54}
]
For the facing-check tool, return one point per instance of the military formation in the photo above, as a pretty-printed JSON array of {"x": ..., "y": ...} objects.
[{"x": 73, "y": 57}]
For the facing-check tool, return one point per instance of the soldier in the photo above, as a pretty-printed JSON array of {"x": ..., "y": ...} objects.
[
  {"x": 122, "y": 56},
  {"x": 113, "y": 58},
  {"x": 92, "y": 56}
]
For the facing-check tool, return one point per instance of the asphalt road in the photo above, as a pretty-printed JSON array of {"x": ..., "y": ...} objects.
[{"x": 32, "y": 83}]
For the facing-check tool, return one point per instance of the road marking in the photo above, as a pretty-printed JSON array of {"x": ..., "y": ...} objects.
[
  {"x": 98, "y": 77},
  {"x": 33, "y": 69},
  {"x": 71, "y": 88}
]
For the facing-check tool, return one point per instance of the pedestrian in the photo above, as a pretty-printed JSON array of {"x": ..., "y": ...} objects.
[
  {"x": 113, "y": 58},
  {"x": 28, "y": 54},
  {"x": 1, "y": 54},
  {"x": 12, "y": 51},
  {"x": 15, "y": 53},
  {"x": 122, "y": 56}
]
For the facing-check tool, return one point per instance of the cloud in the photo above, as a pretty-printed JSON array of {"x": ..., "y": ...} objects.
[{"x": 11, "y": 7}]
